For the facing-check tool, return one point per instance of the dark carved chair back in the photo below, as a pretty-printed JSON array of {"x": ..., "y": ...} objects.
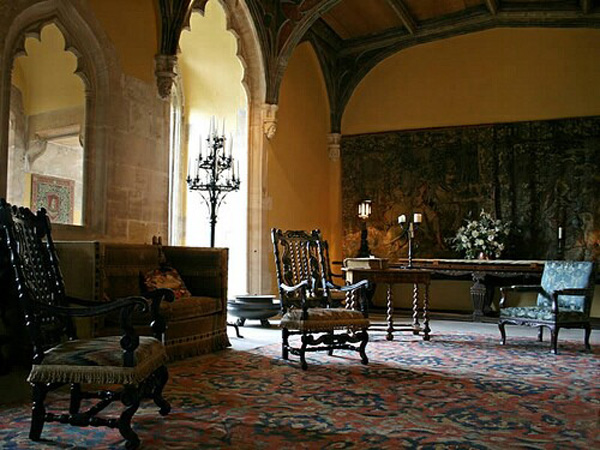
[
  {"x": 37, "y": 277},
  {"x": 299, "y": 257}
]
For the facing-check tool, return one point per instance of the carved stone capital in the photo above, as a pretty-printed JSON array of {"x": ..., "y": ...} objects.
[
  {"x": 270, "y": 119},
  {"x": 164, "y": 69},
  {"x": 333, "y": 146}
]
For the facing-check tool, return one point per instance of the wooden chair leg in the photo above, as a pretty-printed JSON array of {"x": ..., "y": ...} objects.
[
  {"x": 502, "y": 333},
  {"x": 285, "y": 334},
  {"x": 75, "y": 402},
  {"x": 131, "y": 400},
  {"x": 554, "y": 339},
  {"x": 303, "y": 353},
  {"x": 363, "y": 346},
  {"x": 332, "y": 337},
  {"x": 162, "y": 376},
  {"x": 586, "y": 339},
  {"x": 541, "y": 334},
  {"x": 38, "y": 411}
]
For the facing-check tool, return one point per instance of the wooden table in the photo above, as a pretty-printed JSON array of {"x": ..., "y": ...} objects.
[
  {"x": 485, "y": 275},
  {"x": 393, "y": 276}
]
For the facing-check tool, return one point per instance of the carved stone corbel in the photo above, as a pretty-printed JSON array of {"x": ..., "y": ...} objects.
[
  {"x": 164, "y": 69},
  {"x": 333, "y": 146},
  {"x": 270, "y": 120}
]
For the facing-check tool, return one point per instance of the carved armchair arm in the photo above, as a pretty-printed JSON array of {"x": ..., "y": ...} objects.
[
  {"x": 288, "y": 290},
  {"x": 82, "y": 302},
  {"x": 517, "y": 288},
  {"x": 159, "y": 324},
  {"x": 129, "y": 340},
  {"x": 567, "y": 291},
  {"x": 98, "y": 309}
]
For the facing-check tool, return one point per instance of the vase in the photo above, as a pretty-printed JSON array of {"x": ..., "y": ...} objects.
[{"x": 484, "y": 256}]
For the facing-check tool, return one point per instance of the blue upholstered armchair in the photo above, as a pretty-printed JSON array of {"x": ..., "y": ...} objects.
[{"x": 564, "y": 301}]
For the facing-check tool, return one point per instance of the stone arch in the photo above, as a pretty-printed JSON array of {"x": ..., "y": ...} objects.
[
  {"x": 97, "y": 67},
  {"x": 250, "y": 54}
]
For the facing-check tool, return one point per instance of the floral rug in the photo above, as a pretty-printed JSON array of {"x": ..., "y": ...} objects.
[{"x": 456, "y": 391}]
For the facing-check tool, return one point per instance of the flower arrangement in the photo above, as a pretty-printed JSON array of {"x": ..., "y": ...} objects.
[{"x": 481, "y": 238}]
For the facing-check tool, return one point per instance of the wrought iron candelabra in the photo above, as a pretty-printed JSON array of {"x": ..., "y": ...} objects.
[
  {"x": 213, "y": 174},
  {"x": 408, "y": 229}
]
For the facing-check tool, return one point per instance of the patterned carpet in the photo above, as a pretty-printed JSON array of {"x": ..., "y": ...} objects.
[{"x": 457, "y": 392}]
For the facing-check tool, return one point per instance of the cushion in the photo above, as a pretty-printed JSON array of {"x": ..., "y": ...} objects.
[
  {"x": 542, "y": 314},
  {"x": 324, "y": 319},
  {"x": 98, "y": 361},
  {"x": 562, "y": 275},
  {"x": 166, "y": 278}
]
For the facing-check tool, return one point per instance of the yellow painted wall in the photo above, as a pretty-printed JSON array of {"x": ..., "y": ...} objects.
[
  {"x": 298, "y": 167},
  {"x": 212, "y": 78},
  {"x": 131, "y": 25},
  {"x": 46, "y": 76},
  {"x": 501, "y": 75}
]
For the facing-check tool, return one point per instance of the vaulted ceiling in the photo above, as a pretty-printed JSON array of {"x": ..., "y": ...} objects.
[{"x": 351, "y": 36}]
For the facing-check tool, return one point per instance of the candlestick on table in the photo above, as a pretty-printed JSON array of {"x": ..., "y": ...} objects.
[{"x": 408, "y": 230}]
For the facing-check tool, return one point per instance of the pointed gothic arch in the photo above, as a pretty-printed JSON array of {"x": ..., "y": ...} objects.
[
  {"x": 249, "y": 52},
  {"x": 97, "y": 67}
]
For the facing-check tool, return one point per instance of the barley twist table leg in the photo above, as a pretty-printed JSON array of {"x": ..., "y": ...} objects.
[
  {"x": 426, "y": 328},
  {"x": 415, "y": 325},
  {"x": 390, "y": 314}
]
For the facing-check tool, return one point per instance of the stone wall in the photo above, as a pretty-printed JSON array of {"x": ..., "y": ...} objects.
[{"x": 137, "y": 165}]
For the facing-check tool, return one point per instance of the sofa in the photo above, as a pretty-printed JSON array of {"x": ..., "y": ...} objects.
[{"x": 101, "y": 271}]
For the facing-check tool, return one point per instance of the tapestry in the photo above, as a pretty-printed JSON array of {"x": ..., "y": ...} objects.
[
  {"x": 542, "y": 176},
  {"x": 54, "y": 194}
]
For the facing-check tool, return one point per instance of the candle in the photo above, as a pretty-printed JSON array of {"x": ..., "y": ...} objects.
[
  {"x": 560, "y": 232},
  {"x": 201, "y": 147},
  {"x": 402, "y": 219},
  {"x": 417, "y": 218}
]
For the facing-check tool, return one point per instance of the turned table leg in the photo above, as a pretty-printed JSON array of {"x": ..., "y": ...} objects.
[
  {"x": 390, "y": 314},
  {"x": 416, "y": 326},
  {"x": 426, "y": 328}
]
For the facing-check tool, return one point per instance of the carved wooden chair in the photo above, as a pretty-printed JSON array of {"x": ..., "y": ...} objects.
[
  {"x": 59, "y": 357},
  {"x": 564, "y": 301},
  {"x": 305, "y": 291}
]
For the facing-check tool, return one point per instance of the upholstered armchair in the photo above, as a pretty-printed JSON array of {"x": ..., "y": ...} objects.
[
  {"x": 306, "y": 299},
  {"x": 137, "y": 363},
  {"x": 564, "y": 300}
]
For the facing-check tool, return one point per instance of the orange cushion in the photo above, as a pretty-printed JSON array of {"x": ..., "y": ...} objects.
[{"x": 166, "y": 278}]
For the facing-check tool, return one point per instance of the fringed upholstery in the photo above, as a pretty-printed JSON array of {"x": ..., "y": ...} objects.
[
  {"x": 324, "y": 319},
  {"x": 98, "y": 361}
]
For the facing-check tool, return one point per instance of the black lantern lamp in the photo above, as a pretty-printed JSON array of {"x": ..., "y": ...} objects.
[{"x": 364, "y": 212}]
